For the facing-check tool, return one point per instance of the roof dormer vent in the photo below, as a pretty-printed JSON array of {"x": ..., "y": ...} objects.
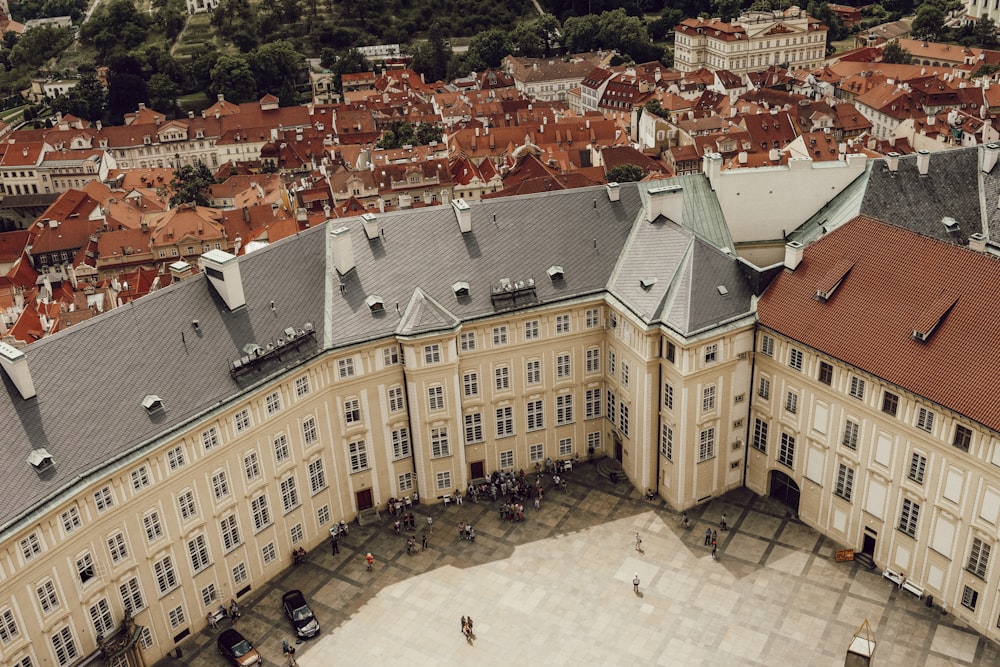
[
  {"x": 40, "y": 459},
  {"x": 555, "y": 272},
  {"x": 461, "y": 288},
  {"x": 375, "y": 304},
  {"x": 152, "y": 403}
]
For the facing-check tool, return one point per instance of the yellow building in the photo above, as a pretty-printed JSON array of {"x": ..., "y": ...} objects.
[{"x": 165, "y": 458}]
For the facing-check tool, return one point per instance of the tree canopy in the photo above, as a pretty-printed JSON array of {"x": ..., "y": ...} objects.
[
  {"x": 894, "y": 53},
  {"x": 625, "y": 173},
  {"x": 190, "y": 184},
  {"x": 402, "y": 133}
]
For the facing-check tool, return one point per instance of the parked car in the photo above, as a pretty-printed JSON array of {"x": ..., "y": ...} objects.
[
  {"x": 299, "y": 613},
  {"x": 237, "y": 649}
]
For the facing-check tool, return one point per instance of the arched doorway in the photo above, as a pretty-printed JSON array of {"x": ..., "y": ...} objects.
[{"x": 785, "y": 489}]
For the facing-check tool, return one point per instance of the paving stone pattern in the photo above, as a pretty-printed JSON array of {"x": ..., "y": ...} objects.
[{"x": 556, "y": 589}]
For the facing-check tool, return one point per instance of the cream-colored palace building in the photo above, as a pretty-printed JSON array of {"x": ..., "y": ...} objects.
[{"x": 166, "y": 457}]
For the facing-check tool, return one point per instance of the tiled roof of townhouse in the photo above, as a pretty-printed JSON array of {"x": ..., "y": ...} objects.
[
  {"x": 12, "y": 245},
  {"x": 576, "y": 66},
  {"x": 899, "y": 283},
  {"x": 70, "y": 205}
]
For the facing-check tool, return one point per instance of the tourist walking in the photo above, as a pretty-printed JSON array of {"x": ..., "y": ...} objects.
[
  {"x": 635, "y": 582},
  {"x": 370, "y": 560},
  {"x": 638, "y": 542},
  {"x": 722, "y": 524},
  {"x": 708, "y": 536}
]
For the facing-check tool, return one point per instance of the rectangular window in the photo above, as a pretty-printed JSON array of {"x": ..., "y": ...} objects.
[
  {"x": 857, "y": 388},
  {"x": 352, "y": 411},
  {"x": 792, "y": 402},
  {"x": 432, "y": 354},
  {"x": 317, "y": 476},
  {"x": 345, "y": 368},
  {"x": 759, "y": 440},
  {"x": 296, "y": 533},
  {"x": 470, "y": 383},
  {"x": 825, "y": 373},
  {"x": 395, "y": 399},
  {"x": 970, "y": 598},
  {"x": 230, "y": 533},
  {"x": 593, "y": 356},
  {"x": 562, "y": 324},
  {"x": 47, "y": 596},
  {"x": 390, "y": 355},
  {"x": 851, "y": 430},
  {"x": 151, "y": 522},
  {"x": 562, "y": 366},
  {"x": 241, "y": 420},
  {"x": 209, "y": 594},
  {"x": 612, "y": 362},
  {"x": 706, "y": 445},
  {"x": 220, "y": 485},
  {"x": 626, "y": 375},
  {"x": 131, "y": 596},
  {"x": 8, "y": 626},
  {"x": 925, "y": 420},
  {"x": 623, "y": 419},
  {"x": 670, "y": 353},
  {"x": 358, "y": 452},
  {"x": 593, "y": 403},
  {"x": 117, "y": 548},
  {"x": 505, "y": 421},
  {"x": 963, "y": 438},
  {"x": 85, "y": 568},
  {"x": 309, "y": 433},
  {"x": 612, "y": 407},
  {"x": 439, "y": 443},
  {"x": 289, "y": 494},
  {"x": 405, "y": 481},
  {"x": 500, "y": 335},
  {"x": 531, "y": 330},
  {"x": 533, "y": 372},
  {"x": 534, "y": 411},
  {"x": 175, "y": 458},
  {"x": 210, "y": 438},
  {"x": 564, "y": 409},
  {"x": 467, "y": 341},
  {"x": 301, "y": 386},
  {"x": 668, "y": 396},
  {"x": 979, "y": 558},
  {"x": 565, "y": 447},
  {"x": 795, "y": 359},
  {"x": 240, "y": 573},
  {"x": 507, "y": 459},
  {"x": 71, "y": 519},
  {"x": 435, "y": 398},
  {"x": 444, "y": 481},
  {"x": 767, "y": 345},
  {"x": 401, "y": 443},
  {"x": 140, "y": 478},
  {"x": 764, "y": 388},
  {"x": 708, "y": 398},
  {"x": 473, "y": 428},
  {"x": 890, "y": 403},
  {"x": 272, "y": 403},
  {"x": 918, "y": 463},
  {"x": 711, "y": 352},
  {"x": 268, "y": 553},
  {"x": 185, "y": 502},
  {"x": 502, "y": 374},
  {"x": 323, "y": 514},
  {"x": 593, "y": 440},
  {"x": 250, "y": 466},
  {"x": 104, "y": 499},
  {"x": 166, "y": 577},
  {"x": 65, "y": 646},
  {"x": 31, "y": 546},
  {"x": 280, "y": 447},
  {"x": 845, "y": 482},
  {"x": 101, "y": 619},
  {"x": 908, "y": 517},
  {"x": 667, "y": 442},
  {"x": 261, "y": 513},
  {"x": 198, "y": 550},
  {"x": 593, "y": 318},
  {"x": 786, "y": 452}
]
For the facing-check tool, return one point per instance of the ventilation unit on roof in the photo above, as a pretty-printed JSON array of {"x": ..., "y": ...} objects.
[
  {"x": 933, "y": 315},
  {"x": 647, "y": 282},
  {"x": 950, "y": 223},
  {"x": 254, "y": 355},
  {"x": 461, "y": 288},
  {"x": 555, "y": 272},
  {"x": 829, "y": 283},
  {"x": 40, "y": 459},
  {"x": 152, "y": 403},
  {"x": 723, "y": 290},
  {"x": 375, "y": 304}
]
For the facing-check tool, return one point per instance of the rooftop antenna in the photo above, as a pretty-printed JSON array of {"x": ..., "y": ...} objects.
[
  {"x": 343, "y": 287},
  {"x": 272, "y": 305},
  {"x": 595, "y": 244},
  {"x": 595, "y": 202}
]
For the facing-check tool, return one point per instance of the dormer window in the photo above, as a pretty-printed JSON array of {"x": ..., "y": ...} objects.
[{"x": 375, "y": 304}]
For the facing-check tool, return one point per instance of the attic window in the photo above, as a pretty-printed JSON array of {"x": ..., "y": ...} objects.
[
  {"x": 40, "y": 459},
  {"x": 555, "y": 272},
  {"x": 932, "y": 316},
  {"x": 152, "y": 403},
  {"x": 647, "y": 282},
  {"x": 829, "y": 283},
  {"x": 375, "y": 303},
  {"x": 951, "y": 224},
  {"x": 461, "y": 288}
]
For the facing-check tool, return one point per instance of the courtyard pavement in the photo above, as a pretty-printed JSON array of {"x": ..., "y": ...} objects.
[{"x": 556, "y": 589}]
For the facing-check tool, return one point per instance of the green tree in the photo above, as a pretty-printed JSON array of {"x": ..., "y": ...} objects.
[
  {"x": 115, "y": 26},
  {"x": 350, "y": 61},
  {"x": 625, "y": 173},
  {"x": 580, "y": 33},
  {"x": 727, "y": 10},
  {"x": 428, "y": 132},
  {"x": 536, "y": 37},
  {"x": 488, "y": 49},
  {"x": 986, "y": 33},
  {"x": 85, "y": 100},
  {"x": 163, "y": 93},
  {"x": 820, "y": 9},
  {"x": 931, "y": 17},
  {"x": 126, "y": 90},
  {"x": 653, "y": 107},
  {"x": 232, "y": 77},
  {"x": 274, "y": 64},
  {"x": 431, "y": 58},
  {"x": 38, "y": 45},
  {"x": 190, "y": 184},
  {"x": 894, "y": 53}
]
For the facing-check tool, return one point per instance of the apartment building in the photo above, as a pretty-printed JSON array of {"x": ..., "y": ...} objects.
[
  {"x": 305, "y": 382},
  {"x": 874, "y": 415},
  {"x": 754, "y": 41}
]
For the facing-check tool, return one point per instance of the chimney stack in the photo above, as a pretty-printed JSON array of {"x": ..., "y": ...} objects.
[
  {"x": 181, "y": 270},
  {"x": 923, "y": 162},
  {"x": 341, "y": 249},
  {"x": 793, "y": 254},
  {"x": 223, "y": 271},
  {"x": 892, "y": 162},
  {"x": 15, "y": 365},
  {"x": 667, "y": 201},
  {"x": 464, "y": 214},
  {"x": 977, "y": 242},
  {"x": 990, "y": 154},
  {"x": 371, "y": 225},
  {"x": 614, "y": 191}
]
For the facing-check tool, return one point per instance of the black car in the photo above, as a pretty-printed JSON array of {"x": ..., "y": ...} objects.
[
  {"x": 237, "y": 649},
  {"x": 299, "y": 613}
]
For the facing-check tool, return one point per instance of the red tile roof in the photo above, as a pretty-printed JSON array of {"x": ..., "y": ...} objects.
[{"x": 898, "y": 282}]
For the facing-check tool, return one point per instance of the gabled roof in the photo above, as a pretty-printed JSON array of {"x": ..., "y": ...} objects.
[{"x": 898, "y": 277}]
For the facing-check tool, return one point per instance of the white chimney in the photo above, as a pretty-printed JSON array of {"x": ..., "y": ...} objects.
[
  {"x": 712, "y": 167},
  {"x": 990, "y": 154},
  {"x": 923, "y": 162},
  {"x": 180, "y": 270},
  {"x": 793, "y": 254},
  {"x": 667, "y": 201},
  {"x": 614, "y": 191},
  {"x": 464, "y": 214},
  {"x": 977, "y": 242},
  {"x": 892, "y": 162},
  {"x": 15, "y": 365},
  {"x": 223, "y": 271},
  {"x": 371, "y": 225},
  {"x": 342, "y": 250}
]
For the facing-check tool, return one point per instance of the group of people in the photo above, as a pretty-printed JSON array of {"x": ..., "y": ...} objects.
[
  {"x": 397, "y": 505},
  {"x": 512, "y": 512},
  {"x": 405, "y": 522},
  {"x": 466, "y": 532},
  {"x": 467, "y": 628},
  {"x": 232, "y": 613},
  {"x": 288, "y": 651},
  {"x": 298, "y": 556}
]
